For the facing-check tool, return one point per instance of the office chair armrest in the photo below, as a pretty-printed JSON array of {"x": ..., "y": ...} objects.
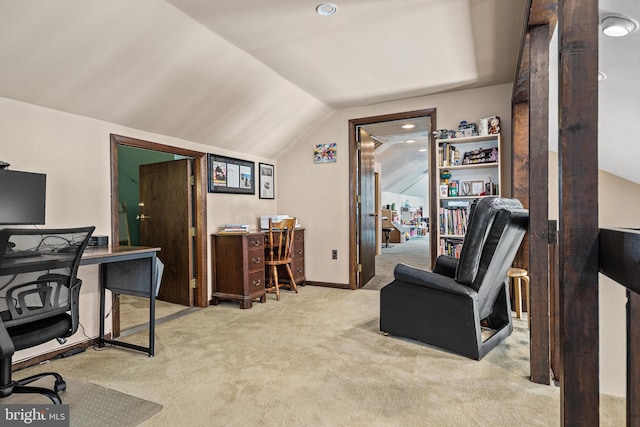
[{"x": 6, "y": 344}]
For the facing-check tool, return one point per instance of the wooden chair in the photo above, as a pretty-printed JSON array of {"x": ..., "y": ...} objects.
[{"x": 280, "y": 247}]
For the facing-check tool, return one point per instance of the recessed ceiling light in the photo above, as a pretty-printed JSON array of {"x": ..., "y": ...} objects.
[
  {"x": 422, "y": 149},
  {"x": 408, "y": 126},
  {"x": 410, "y": 141},
  {"x": 618, "y": 26},
  {"x": 326, "y": 9}
]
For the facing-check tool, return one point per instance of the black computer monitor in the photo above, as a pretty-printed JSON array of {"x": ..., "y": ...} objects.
[{"x": 22, "y": 197}]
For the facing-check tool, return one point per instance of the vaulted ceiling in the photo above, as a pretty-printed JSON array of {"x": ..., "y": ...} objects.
[{"x": 248, "y": 75}]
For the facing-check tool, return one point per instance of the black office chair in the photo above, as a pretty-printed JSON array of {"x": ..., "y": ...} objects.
[
  {"x": 462, "y": 305},
  {"x": 39, "y": 292}
]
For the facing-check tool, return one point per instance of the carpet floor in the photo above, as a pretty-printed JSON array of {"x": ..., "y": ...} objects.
[{"x": 317, "y": 358}]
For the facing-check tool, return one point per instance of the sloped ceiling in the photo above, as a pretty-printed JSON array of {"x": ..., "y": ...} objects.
[{"x": 252, "y": 76}]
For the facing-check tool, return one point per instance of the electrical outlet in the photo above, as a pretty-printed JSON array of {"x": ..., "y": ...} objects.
[{"x": 334, "y": 254}]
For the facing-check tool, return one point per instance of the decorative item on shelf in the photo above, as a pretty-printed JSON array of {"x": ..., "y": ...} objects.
[
  {"x": 444, "y": 190},
  {"x": 490, "y": 188},
  {"x": 444, "y": 176},
  {"x": 494, "y": 125},
  {"x": 467, "y": 129},
  {"x": 483, "y": 127},
  {"x": 481, "y": 155},
  {"x": 465, "y": 188},
  {"x": 453, "y": 188}
]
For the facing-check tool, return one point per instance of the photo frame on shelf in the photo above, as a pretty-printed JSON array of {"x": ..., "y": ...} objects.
[
  {"x": 229, "y": 175},
  {"x": 266, "y": 181},
  {"x": 477, "y": 187}
]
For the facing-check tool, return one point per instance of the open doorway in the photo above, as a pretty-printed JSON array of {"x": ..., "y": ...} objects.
[
  {"x": 382, "y": 130},
  {"x": 195, "y": 234}
]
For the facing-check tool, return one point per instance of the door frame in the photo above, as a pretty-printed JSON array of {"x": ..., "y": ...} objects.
[
  {"x": 353, "y": 179},
  {"x": 199, "y": 203}
]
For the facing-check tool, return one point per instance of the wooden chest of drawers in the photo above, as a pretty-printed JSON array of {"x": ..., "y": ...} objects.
[{"x": 238, "y": 268}]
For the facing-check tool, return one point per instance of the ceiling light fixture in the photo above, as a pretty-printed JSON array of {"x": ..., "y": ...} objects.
[
  {"x": 618, "y": 26},
  {"x": 422, "y": 150},
  {"x": 408, "y": 126},
  {"x": 326, "y": 9},
  {"x": 410, "y": 141}
]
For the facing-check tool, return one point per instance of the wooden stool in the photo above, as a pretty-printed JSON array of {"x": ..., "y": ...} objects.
[{"x": 517, "y": 275}]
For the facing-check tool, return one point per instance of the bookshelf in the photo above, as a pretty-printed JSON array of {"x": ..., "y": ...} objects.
[{"x": 466, "y": 169}]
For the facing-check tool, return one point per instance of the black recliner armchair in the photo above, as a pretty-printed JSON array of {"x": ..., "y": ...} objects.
[
  {"x": 462, "y": 305},
  {"x": 39, "y": 292}
]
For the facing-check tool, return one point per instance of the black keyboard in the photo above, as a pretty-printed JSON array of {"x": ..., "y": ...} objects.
[{"x": 21, "y": 253}]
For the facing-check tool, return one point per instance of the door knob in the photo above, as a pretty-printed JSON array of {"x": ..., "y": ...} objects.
[{"x": 142, "y": 217}]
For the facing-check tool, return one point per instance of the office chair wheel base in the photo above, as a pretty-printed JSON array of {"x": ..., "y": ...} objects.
[{"x": 59, "y": 386}]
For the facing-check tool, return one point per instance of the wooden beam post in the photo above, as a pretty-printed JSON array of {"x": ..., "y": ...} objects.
[
  {"x": 539, "y": 203},
  {"x": 578, "y": 153}
]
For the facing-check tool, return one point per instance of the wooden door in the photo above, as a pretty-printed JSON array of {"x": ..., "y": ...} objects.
[
  {"x": 367, "y": 214},
  {"x": 165, "y": 217}
]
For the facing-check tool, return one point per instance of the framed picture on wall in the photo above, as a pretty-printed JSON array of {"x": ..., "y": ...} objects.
[
  {"x": 266, "y": 181},
  {"x": 229, "y": 175}
]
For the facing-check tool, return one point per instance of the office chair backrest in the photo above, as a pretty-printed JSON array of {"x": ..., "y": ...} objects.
[{"x": 38, "y": 272}]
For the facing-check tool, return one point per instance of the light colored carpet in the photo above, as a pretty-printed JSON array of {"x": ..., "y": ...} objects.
[
  {"x": 317, "y": 358},
  {"x": 91, "y": 404},
  {"x": 413, "y": 252}
]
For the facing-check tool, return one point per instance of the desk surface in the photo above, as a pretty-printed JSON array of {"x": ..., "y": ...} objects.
[{"x": 100, "y": 254}]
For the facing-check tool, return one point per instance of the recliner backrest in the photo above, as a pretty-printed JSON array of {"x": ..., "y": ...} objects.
[{"x": 487, "y": 222}]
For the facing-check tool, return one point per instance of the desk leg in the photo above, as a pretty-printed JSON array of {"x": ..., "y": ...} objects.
[
  {"x": 103, "y": 281},
  {"x": 152, "y": 307}
]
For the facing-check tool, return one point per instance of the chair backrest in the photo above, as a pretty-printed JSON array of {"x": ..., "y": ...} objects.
[
  {"x": 496, "y": 229},
  {"x": 43, "y": 284},
  {"x": 281, "y": 239}
]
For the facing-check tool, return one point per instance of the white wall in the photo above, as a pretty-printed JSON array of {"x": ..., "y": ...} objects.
[
  {"x": 74, "y": 152},
  {"x": 318, "y": 194}
]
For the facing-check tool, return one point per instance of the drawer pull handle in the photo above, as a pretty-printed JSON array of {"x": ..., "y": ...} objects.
[
  {"x": 256, "y": 260},
  {"x": 299, "y": 269},
  {"x": 299, "y": 252},
  {"x": 257, "y": 282},
  {"x": 298, "y": 237},
  {"x": 255, "y": 242}
]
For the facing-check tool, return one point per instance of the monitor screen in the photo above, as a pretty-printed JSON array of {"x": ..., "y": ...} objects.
[{"x": 22, "y": 197}]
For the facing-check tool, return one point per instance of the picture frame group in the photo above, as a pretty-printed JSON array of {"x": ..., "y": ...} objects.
[{"x": 230, "y": 175}]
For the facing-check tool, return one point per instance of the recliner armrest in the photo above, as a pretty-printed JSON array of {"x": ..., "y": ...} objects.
[
  {"x": 446, "y": 265},
  {"x": 431, "y": 280}
]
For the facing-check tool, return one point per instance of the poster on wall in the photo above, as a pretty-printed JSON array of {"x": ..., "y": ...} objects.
[
  {"x": 325, "y": 153},
  {"x": 229, "y": 175}
]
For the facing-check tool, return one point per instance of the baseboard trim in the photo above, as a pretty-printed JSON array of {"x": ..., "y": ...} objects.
[
  {"x": 35, "y": 360},
  {"x": 329, "y": 285}
]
